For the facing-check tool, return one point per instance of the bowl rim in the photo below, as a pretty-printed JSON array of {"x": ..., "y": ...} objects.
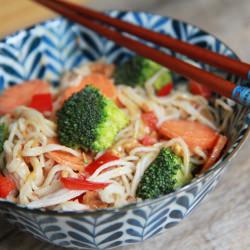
[{"x": 134, "y": 205}]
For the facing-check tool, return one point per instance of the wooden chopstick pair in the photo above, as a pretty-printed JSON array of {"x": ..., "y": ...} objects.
[{"x": 94, "y": 20}]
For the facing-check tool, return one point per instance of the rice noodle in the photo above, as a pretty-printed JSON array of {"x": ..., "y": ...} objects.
[
  {"x": 71, "y": 206},
  {"x": 32, "y": 136},
  {"x": 48, "y": 189},
  {"x": 199, "y": 152},
  {"x": 58, "y": 197},
  {"x": 132, "y": 108},
  {"x": 58, "y": 168},
  {"x": 35, "y": 151},
  {"x": 141, "y": 166}
]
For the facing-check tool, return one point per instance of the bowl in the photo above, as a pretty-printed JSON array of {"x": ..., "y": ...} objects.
[{"x": 48, "y": 49}]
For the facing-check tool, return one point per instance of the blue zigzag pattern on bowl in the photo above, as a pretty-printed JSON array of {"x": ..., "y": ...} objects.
[
  {"x": 47, "y": 50},
  {"x": 112, "y": 229}
]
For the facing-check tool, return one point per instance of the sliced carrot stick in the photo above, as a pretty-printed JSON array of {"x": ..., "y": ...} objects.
[
  {"x": 21, "y": 94},
  {"x": 64, "y": 158},
  {"x": 193, "y": 133},
  {"x": 104, "y": 84},
  {"x": 76, "y": 163},
  {"x": 216, "y": 152}
]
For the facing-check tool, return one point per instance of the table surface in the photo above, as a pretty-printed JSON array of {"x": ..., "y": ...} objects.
[
  {"x": 16, "y": 14},
  {"x": 222, "y": 221}
]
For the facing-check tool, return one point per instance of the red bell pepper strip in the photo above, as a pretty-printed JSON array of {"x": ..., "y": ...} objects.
[
  {"x": 165, "y": 90},
  {"x": 216, "y": 152},
  {"x": 106, "y": 157},
  {"x": 42, "y": 102},
  {"x": 82, "y": 184},
  {"x": 150, "y": 119},
  {"x": 148, "y": 140},
  {"x": 198, "y": 89},
  {"x": 7, "y": 185}
]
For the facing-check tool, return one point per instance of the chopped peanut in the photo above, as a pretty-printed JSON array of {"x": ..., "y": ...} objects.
[
  {"x": 145, "y": 108},
  {"x": 128, "y": 146},
  {"x": 92, "y": 199},
  {"x": 177, "y": 149},
  {"x": 65, "y": 174}
]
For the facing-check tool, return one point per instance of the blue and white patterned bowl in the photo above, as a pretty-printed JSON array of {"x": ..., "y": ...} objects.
[{"x": 47, "y": 50}]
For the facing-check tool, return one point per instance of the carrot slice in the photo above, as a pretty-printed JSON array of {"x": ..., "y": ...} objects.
[
  {"x": 76, "y": 163},
  {"x": 104, "y": 84},
  {"x": 21, "y": 94},
  {"x": 64, "y": 158},
  {"x": 216, "y": 152},
  {"x": 193, "y": 133}
]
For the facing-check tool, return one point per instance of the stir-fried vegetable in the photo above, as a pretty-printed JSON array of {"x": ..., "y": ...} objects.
[
  {"x": 7, "y": 185},
  {"x": 90, "y": 121},
  {"x": 164, "y": 175},
  {"x": 21, "y": 94},
  {"x": 165, "y": 90},
  {"x": 64, "y": 158},
  {"x": 137, "y": 70},
  {"x": 101, "y": 82},
  {"x": 216, "y": 152},
  {"x": 42, "y": 102},
  {"x": 93, "y": 166},
  {"x": 94, "y": 122},
  {"x": 193, "y": 133},
  {"x": 82, "y": 184}
]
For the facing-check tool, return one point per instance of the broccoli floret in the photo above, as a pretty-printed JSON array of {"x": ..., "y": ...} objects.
[
  {"x": 137, "y": 70},
  {"x": 90, "y": 121},
  {"x": 164, "y": 175},
  {"x": 4, "y": 133}
]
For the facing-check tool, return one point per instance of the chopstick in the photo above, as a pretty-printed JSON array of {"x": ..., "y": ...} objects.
[
  {"x": 241, "y": 69},
  {"x": 215, "y": 83}
]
